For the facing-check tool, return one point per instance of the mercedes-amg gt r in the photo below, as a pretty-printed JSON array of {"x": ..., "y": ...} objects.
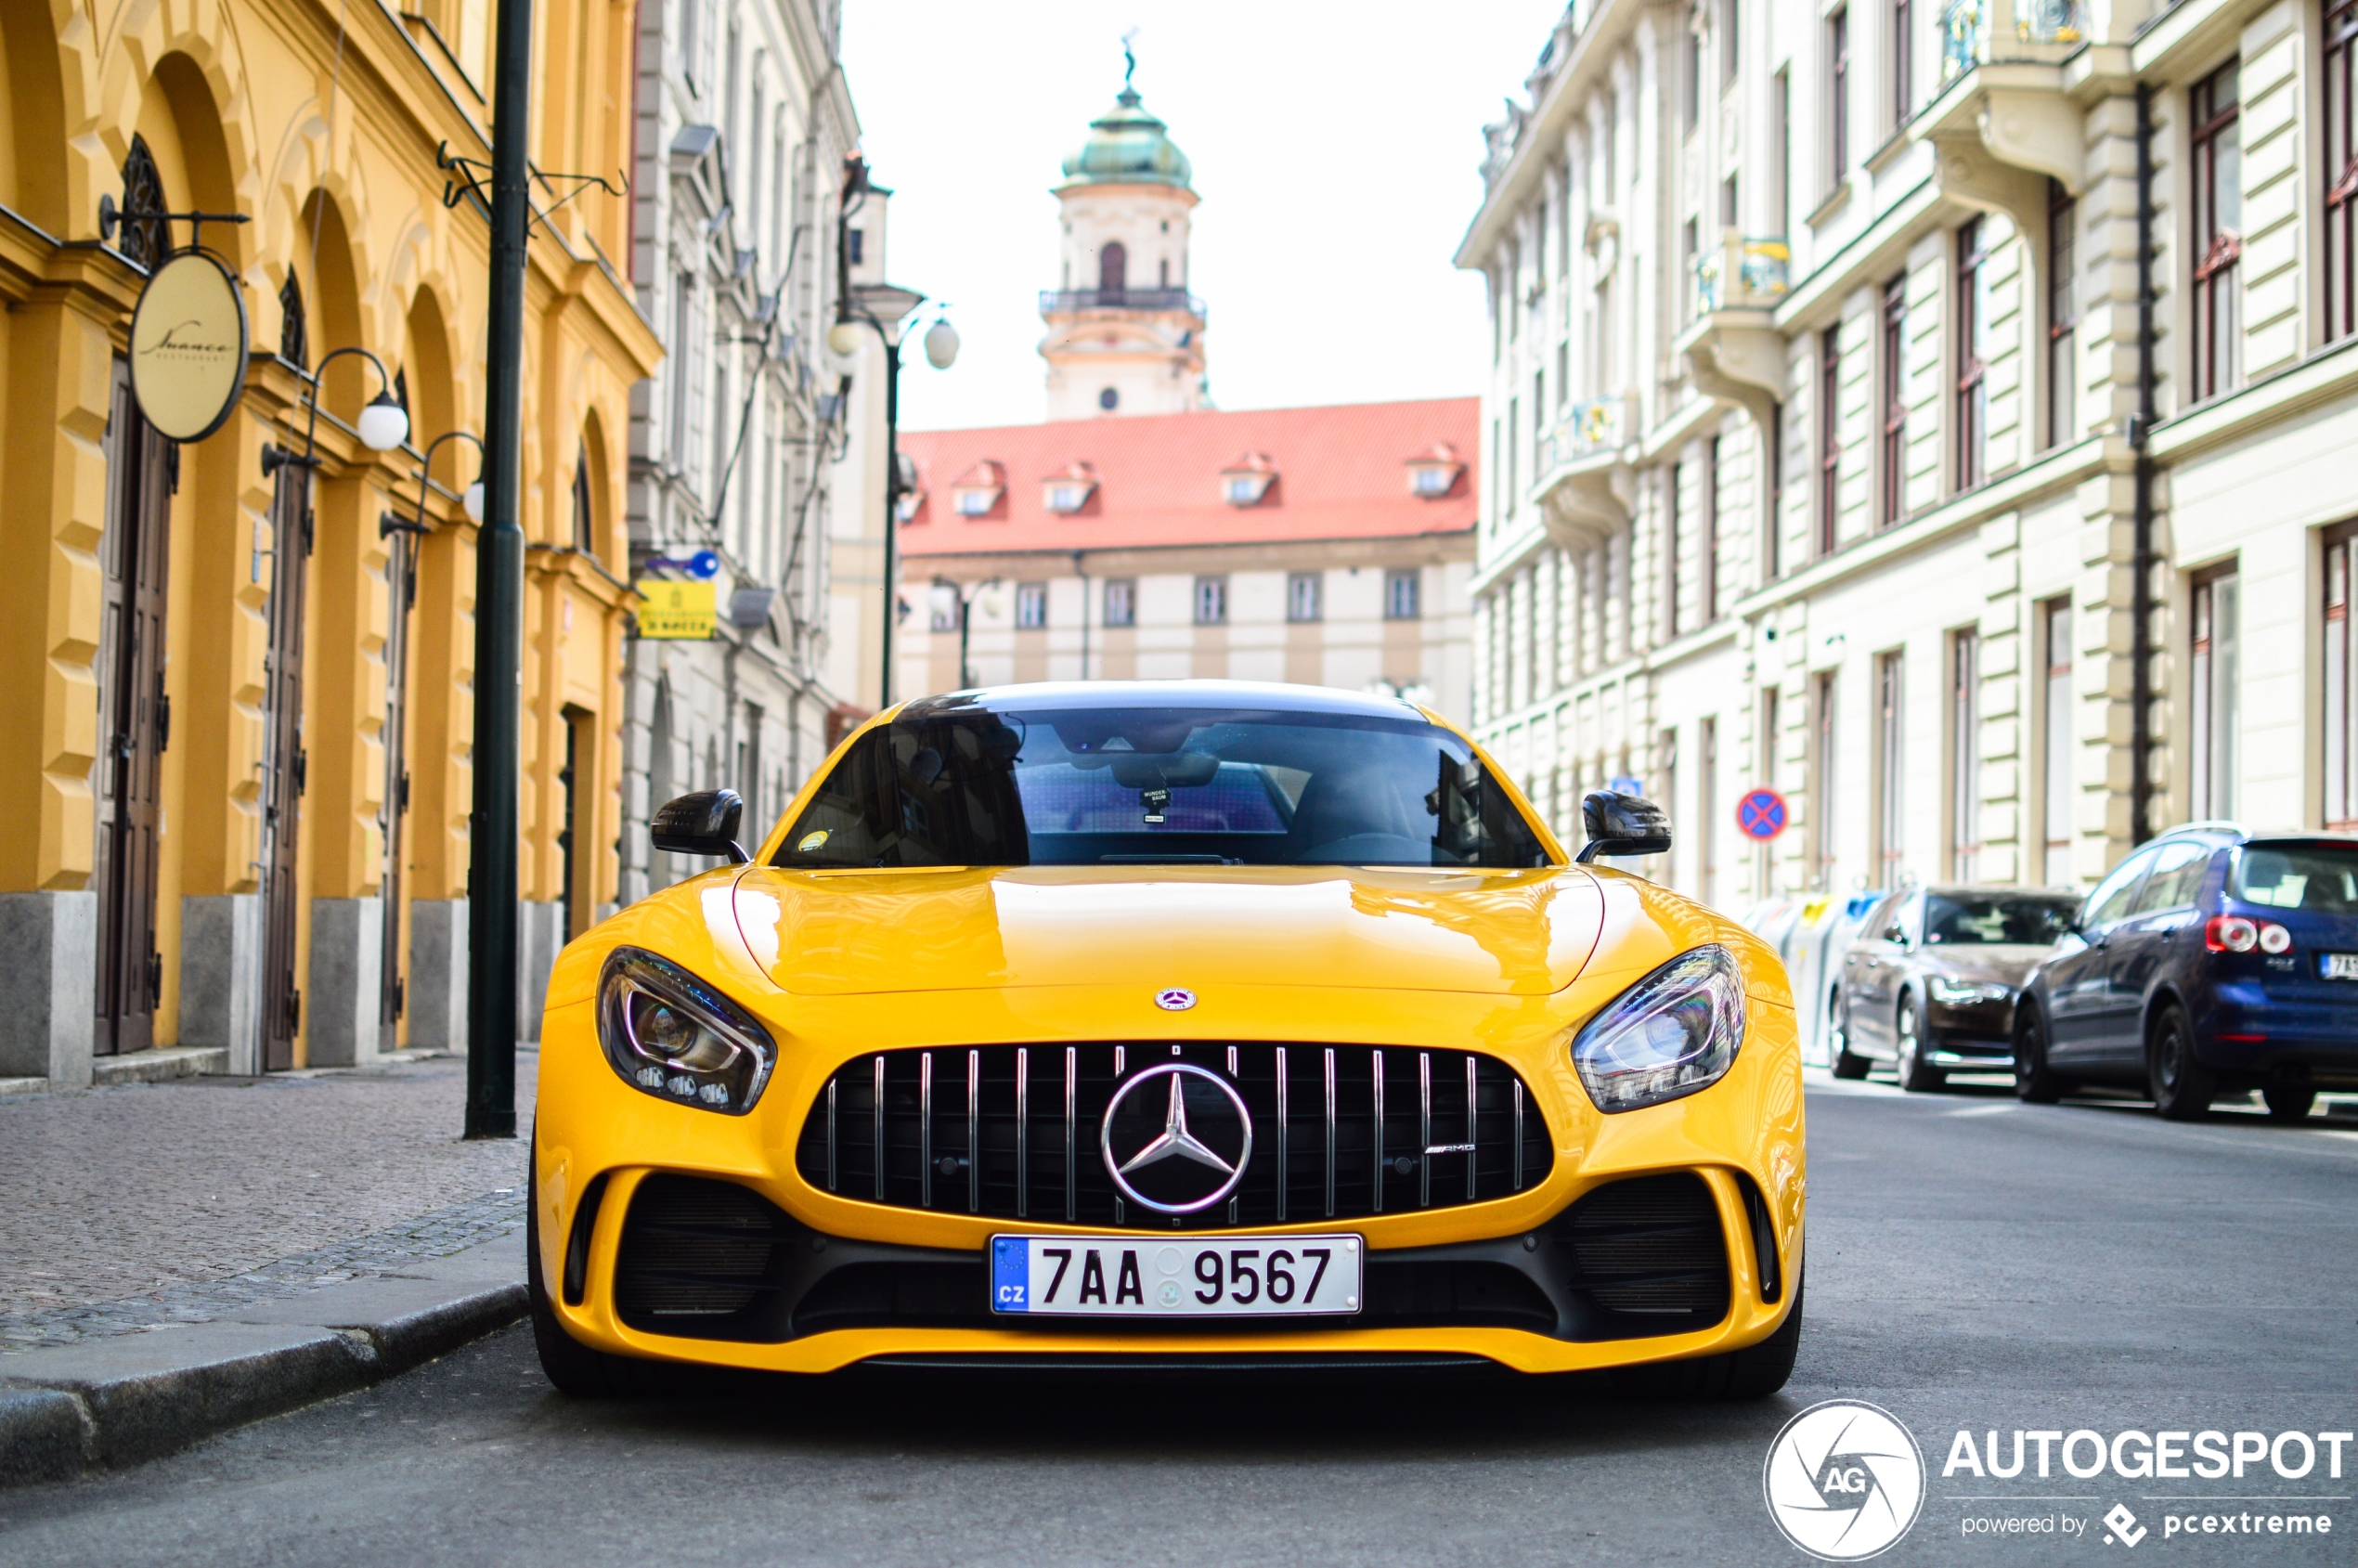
[{"x": 1197, "y": 1023}]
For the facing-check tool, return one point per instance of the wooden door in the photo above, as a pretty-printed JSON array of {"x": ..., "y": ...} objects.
[
  {"x": 401, "y": 593},
  {"x": 283, "y": 778},
  {"x": 135, "y": 722}
]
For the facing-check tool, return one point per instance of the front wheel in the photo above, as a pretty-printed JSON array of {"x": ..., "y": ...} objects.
[
  {"x": 574, "y": 1367},
  {"x": 2182, "y": 1087},
  {"x": 2034, "y": 1080},
  {"x": 1916, "y": 1075},
  {"x": 1847, "y": 1064}
]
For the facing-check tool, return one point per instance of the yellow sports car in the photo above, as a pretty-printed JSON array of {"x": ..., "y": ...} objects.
[{"x": 1197, "y": 1022}]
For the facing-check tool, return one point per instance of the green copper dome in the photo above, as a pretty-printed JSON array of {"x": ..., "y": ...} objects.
[{"x": 1128, "y": 146}]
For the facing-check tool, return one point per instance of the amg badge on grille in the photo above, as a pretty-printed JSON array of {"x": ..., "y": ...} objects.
[{"x": 1177, "y": 999}]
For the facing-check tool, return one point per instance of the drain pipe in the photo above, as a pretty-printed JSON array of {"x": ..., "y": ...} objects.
[{"x": 2141, "y": 427}]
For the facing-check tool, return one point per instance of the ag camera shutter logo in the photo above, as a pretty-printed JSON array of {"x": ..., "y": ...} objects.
[{"x": 1844, "y": 1480}]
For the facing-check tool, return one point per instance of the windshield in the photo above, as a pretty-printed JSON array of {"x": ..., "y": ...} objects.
[
  {"x": 2323, "y": 877},
  {"x": 1982, "y": 919},
  {"x": 955, "y": 782}
]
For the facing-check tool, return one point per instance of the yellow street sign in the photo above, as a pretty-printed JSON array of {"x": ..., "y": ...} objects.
[{"x": 675, "y": 609}]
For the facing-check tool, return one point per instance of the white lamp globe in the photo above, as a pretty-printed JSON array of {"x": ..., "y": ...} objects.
[
  {"x": 471, "y": 499},
  {"x": 941, "y": 344},
  {"x": 944, "y": 597},
  {"x": 385, "y": 424},
  {"x": 844, "y": 338}
]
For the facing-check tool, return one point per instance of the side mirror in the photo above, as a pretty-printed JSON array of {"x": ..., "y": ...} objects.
[
  {"x": 701, "y": 824},
  {"x": 1622, "y": 825}
]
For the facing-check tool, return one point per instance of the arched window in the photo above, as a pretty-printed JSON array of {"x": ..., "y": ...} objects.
[
  {"x": 585, "y": 536},
  {"x": 292, "y": 346},
  {"x": 146, "y": 241},
  {"x": 1113, "y": 268}
]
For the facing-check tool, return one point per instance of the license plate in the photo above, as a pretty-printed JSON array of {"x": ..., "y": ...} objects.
[
  {"x": 1151, "y": 1276},
  {"x": 2337, "y": 966}
]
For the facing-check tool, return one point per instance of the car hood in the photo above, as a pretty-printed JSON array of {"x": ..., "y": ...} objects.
[
  {"x": 1525, "y": 933},
  {"x": 2004, "y": 963}
]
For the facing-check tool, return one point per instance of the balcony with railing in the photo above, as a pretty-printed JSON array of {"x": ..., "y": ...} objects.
[
  {"x": 1065, "y": 302},
  {"x": 1741, "y": 273},
  {"x": 1969, "y": 27}
]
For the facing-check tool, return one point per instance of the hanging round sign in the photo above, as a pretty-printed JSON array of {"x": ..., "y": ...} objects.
[
  {"x": 1761, "y": 814},
  {"x": 189, "y": 346}
]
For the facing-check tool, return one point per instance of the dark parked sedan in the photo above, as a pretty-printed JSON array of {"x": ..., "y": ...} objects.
[
  {"x": 2211, "y": 961},
  {"x": 1929, "y": 986}
]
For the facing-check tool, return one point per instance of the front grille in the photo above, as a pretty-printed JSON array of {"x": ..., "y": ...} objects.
[
  {"x": 1648, "y": 1256},
  {"x": 1012, "y": 1131}
]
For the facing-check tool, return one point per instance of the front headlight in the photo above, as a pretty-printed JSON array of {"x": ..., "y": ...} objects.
[
  {"x": 1672, "y": 1034},
  {"x": 1964, "y": 994},
  {"x": 672, "y": 1036}
]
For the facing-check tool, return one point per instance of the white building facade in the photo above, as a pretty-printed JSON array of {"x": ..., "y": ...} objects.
[
  {"x": 1940, "y": 415},
  {"x": 753, "y": 440}
]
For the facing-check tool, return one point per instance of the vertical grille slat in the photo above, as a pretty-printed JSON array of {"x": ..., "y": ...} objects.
[{"x": 872, "y": 1133}]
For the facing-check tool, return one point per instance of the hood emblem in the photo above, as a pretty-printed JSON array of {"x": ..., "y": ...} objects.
[
  {"x": 1180, "y": 1166},
  {"x": 1176, "y": 999}
]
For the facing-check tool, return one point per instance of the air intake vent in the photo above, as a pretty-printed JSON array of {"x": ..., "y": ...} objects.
[
  {"x": 1012, "y": 1131},
  {"x": 1649, "y": 1256},
  {"x": 702, "y": 1259}
]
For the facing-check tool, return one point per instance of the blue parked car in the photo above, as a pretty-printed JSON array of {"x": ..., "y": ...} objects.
[{"x": 2213, "y": 960}]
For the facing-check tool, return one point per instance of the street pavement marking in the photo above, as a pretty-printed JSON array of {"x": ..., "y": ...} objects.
[{"x": 1983, "y": 1110}]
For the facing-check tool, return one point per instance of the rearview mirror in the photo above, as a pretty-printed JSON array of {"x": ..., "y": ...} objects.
[
  {"x": 701, "y": 824},
  {"x": 1622, "y": 825}
]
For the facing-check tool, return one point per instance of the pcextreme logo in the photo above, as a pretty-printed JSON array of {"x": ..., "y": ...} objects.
[{"x": 1843, "y": 1480}]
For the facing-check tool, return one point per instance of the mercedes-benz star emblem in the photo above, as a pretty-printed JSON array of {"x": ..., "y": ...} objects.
[
  {"x": 1159, "y": 1159},
  {"x": 1177, "y": 999}
]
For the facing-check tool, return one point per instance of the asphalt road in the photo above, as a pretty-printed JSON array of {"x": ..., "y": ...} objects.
[{"x": 1974, "y": 1265}]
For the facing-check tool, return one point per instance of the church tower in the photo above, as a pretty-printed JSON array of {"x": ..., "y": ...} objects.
[{"x": 1124, "y": 334}]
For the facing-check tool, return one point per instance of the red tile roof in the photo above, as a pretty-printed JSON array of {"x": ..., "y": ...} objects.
[{"x": 1343, "y": 473}]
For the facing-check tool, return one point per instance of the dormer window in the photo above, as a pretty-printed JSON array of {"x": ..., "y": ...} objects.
[
  {"x": 1246, "y": 481},
  {"x": 1068, "y": 490},
  {"x": 978, "y": 489},
  {"x": 1434, "y": 473},
  {"x": 909, "y": 503}
]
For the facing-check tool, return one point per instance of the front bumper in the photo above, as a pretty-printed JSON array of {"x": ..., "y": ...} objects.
[{"x": 1494, "y": 1279}]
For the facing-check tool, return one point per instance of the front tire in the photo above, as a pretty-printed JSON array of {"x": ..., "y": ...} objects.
[
  {"x": 2182, "y": 1087},
  {"x": 575, "y": 1369},
  {"x": 1847, "y": 1064},
  {"x": 2035, "y": 1082},
  {"x": 1916, "y": 1075},
  {"x": 2288, "y": 1104}
]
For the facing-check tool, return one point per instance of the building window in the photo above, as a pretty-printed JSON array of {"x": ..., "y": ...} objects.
[
  {"x": 1731, "y": 57},
  {"x": 1890, "y": 768},
  {"x": 2056, "y": 755},
  {"x": 1302, "y": 596},
  {"x": 585, "y": 519},
  {"x": 1514, "y": 447},
  {"x": 2062, "y": 313},
  {"x": 2342, "y": 168},
  {"x": 1972, "y": 347},
  {"x": 1671, "y": 544},
  {"x": 2342, "y": 690},
  {"x": 1402, "y": 594},
  {"x": 1706, "y": 835},
  {"x": 1894, "y": 373},
  {"x": 1108, "y": 398},
  {"x": 2216, "y": 180},
  {"x": 945, "y": 607},
  {"x": 1113, "y": 268},
  {"x": 1903, "y": 50},
  {"x": 972, "y": 503},
  {"x": 1829, "y": 437},
  {"x": 683, "y": 295},
  {"x": 1964, "y": 755},
  {"x": 1122, "y": 602},
  {"x": 1212, "y": 601},
  {"x": 1696, "y": 26},
  {"x": 2218, "y": 730},
  {"x": 1709, "y": 552},
  {"x": 1838, "y": 91},
  {"x": 1772, "y": 554},
  {"x": 1822, "y": 777},
  {"x": 1031, "y": 606},
  {"x": 1780, "y": 200}
]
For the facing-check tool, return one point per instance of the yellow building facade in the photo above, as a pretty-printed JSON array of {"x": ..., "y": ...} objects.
[{"x": 196, "y": 695}]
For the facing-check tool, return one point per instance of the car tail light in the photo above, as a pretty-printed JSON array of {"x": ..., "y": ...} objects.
[{"x": 2235, "y": 933}]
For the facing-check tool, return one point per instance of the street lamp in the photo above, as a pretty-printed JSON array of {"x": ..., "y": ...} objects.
[
  {"x": 953, "y": 598},
  {"x": 856, "y": 308},
  {"x": 385, "y": 423}
]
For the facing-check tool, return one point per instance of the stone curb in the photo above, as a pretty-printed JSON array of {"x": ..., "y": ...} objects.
[{"x": 136, "y": 1397}]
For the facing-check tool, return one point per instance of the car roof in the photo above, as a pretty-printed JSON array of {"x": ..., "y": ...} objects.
[
  {"x": 1994, "y": 889},
  {"x": 1267, "y": 694}
]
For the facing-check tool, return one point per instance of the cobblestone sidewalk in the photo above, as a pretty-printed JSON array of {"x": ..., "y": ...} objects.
[{"x": 133, "y": 1207}]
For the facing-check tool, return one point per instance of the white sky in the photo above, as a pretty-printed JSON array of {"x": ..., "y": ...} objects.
[{"x": 1335, "y": 148}]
